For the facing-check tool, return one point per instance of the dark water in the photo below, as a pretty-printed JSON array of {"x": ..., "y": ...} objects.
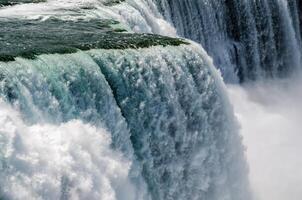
[{"x": 28, "y": 38}]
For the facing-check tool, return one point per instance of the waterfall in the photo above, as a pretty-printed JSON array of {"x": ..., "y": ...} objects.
[
  {"x": 162, "y": 105},
  {"x": 138, "y": 115},
  {"x": 150, "y": 123},
  {"x": 248, "y": 40}
]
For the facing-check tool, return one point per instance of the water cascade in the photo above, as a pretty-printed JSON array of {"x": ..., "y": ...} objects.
[
  {"x": 248, "y": 40},
  {"x": 93, "y": 111},
  {"x": 105, "y": 99}
]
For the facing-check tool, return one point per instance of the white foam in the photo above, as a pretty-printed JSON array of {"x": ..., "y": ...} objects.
[{"x": 56, "y": 161}]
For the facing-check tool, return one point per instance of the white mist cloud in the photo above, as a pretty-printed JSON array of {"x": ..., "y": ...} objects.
[{"x": 271, "y": 117}]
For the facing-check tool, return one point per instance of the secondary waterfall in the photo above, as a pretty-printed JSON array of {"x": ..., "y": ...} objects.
[{"x": 248, "y": 40}]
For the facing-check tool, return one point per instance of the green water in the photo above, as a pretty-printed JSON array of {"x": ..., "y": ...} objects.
[
  {"x": 14, "y": 2},
  {"x": 29, "y": 38}
]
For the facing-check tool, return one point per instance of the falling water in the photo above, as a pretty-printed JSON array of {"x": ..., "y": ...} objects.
[{"x": 153, "y": 121}]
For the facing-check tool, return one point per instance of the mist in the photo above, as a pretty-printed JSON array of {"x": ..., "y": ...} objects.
[{"x": 270, "y": 115}]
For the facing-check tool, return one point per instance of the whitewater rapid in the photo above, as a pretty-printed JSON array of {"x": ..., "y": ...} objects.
[{"x": 270, "y": 115}]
